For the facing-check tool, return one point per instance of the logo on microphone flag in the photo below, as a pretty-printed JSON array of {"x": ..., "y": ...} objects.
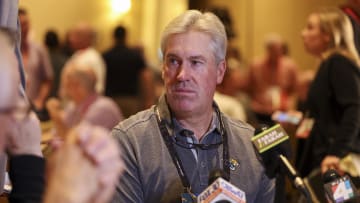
[
  {"x": 222, "y": 190},
  {"x": 269, "y": 138},
  {"x": 340, "y": 190}
]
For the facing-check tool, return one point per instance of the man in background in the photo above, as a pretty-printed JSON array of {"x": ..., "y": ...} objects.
[
  {"x": 82, "y": 38},
  {"x": 57, "y": 58},
  {"x": 129, "y": 82},
  {"x": 271, "y": 81},
  {"x": 37, "y": 66},
  {"x": 78, "y": 83}
]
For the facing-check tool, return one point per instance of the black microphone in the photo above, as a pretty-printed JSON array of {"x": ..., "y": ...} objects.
[
  {"x": 217, "y": 173},
  {"x": 338, "y": 188},
  {"x": 269, "y": 143}
]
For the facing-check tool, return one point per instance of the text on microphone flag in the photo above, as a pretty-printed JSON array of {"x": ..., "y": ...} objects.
[{"x": 269, "y": 138}]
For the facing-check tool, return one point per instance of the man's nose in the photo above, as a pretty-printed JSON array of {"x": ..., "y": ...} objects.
[{"x": 184, "y": 72}]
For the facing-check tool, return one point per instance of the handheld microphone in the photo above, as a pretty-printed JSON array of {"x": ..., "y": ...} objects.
[
  {"x": 339, "y": 188},
  {"x": 268, "y": 142},
  {"x": 215, "y": 174},
  {"x": 220, "y": 190}
]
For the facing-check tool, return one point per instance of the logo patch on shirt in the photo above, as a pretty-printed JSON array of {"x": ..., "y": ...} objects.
[{"x": 233, "y": 164}]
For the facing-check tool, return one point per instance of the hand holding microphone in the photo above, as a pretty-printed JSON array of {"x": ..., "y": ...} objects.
[{"x": 330, "y": 162}]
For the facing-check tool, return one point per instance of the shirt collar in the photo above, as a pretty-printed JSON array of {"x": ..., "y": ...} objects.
[{"x": 171, "y": 122}]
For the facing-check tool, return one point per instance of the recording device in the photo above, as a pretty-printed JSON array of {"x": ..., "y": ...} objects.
[
  {"x": 338, "y": 188},
  {"x": 270, "y": 144},
  {"x": 293, "y": 117},
  {"x": 220, "y": 190}
]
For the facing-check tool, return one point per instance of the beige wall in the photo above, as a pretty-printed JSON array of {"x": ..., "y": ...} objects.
[
  {"x": 63, "y": 14},
  {"x": 144, "y": 21},
  {"x": 253, "y": 19},
  {"x": 153, "y": 25}
]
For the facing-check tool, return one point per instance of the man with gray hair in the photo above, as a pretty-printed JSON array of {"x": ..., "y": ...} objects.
[
  {"x": 78, "y": 84},
  {"x": 171, "y": 148},
  {"x": 82, "y": 38}
]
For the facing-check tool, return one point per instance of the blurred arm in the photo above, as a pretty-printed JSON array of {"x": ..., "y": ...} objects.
[{"x": 56, "y": 114}]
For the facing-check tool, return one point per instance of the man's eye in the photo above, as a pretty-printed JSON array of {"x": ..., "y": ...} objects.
[
  {"x": 173, "y": 62},
  {"x": 196, "y": 62}
]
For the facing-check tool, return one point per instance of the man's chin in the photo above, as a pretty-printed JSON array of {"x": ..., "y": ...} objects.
[
  {"x": 182, "y": 105},
  {"x": 182, "y": 100}
]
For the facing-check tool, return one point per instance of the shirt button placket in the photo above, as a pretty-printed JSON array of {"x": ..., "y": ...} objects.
[{"x": 203, "y": 172}]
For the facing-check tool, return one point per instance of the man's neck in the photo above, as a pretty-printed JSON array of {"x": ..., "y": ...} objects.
[{"x": 199, "y": 124}]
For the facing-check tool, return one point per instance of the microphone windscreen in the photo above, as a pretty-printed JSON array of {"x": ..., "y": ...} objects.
[
  {"x": 270, "y": 157},
  {"x": 330, "y": 175},
  {"x": 217, "y": 173}
]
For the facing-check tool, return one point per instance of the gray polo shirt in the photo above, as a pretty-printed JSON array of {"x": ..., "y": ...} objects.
[{"x": 150, "y": 175}]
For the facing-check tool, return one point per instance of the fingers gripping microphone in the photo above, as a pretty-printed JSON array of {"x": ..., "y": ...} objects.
[
  {"x": 268, "y": 143},
  {"x": 339, "y": 188},
  {"x": 220, "y": 190}
]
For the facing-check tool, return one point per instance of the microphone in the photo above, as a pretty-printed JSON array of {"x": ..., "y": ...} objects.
[
  {"x": 339, "y": 188},
  {"x": 269, "y": 143},
  {"x": 220, "y": 190},
  {"x": 217, "y": 173}
]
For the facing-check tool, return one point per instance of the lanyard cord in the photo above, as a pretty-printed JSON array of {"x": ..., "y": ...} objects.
[{"x": 175, "y": 157}]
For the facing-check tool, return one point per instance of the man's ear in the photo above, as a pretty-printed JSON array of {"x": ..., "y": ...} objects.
[
  {"x": 162, "y": 72},
  {"x": 221, "y": 68}
]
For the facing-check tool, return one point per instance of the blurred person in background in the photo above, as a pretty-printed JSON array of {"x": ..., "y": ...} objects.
[
  {"x": 66, "y": 46},
  {"x": 227, "y": 94},
  {"x": 129, "y": 82},
  {"x": 37, "y": 66},
  {"x": 271, "y": 81},
  {"x": 81, "y": 41},
  {"x": 271, "y": 84},
  {"x": 334, "y": 95},
  {"x": 88, "y": 152},
  {"x": 20, "y": 132},
  {"x": 234, "y": 79},
  {"x": 57, "y": 58},
  {"x": 230, "y": 106},
  {"x": 9, "y": 19},
  {"x": 78, "y": 83}
]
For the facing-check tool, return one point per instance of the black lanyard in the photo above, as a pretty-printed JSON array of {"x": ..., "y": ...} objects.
[{"x": 175, "y": 157}]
